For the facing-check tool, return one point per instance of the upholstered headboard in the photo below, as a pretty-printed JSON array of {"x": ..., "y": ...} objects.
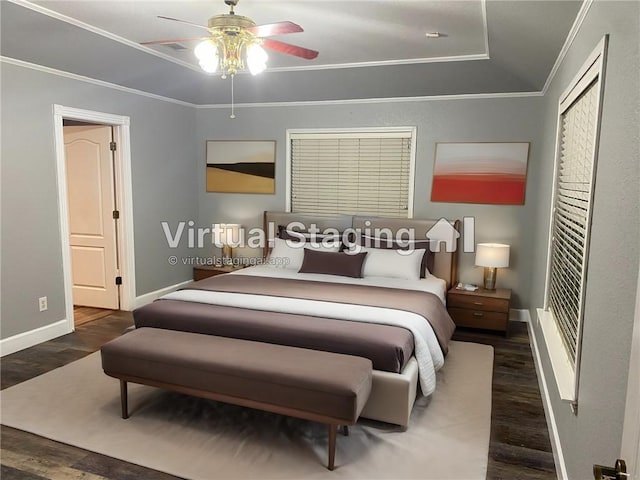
[{"x": 444, "y": 232}]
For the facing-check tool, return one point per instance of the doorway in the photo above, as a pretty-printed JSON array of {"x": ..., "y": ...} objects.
[
  {"x": 93, "y": 219},
  {"x": 96, "y": 221}
]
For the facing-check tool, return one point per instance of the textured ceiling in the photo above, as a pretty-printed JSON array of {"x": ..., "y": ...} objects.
[{"x": 368, "y": 49}]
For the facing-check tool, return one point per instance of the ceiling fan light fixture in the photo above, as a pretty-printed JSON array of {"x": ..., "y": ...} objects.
[
  {"x": 256, "y": 59},
  {"x": 206, "y": 51},
  {"x": 209, "y": 67}
]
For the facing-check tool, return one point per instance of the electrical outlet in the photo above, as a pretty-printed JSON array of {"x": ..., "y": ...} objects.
[{"x": 42, "y": 302}]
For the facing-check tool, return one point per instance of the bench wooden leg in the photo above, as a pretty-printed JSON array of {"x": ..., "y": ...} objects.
[
  {"x": 123, "y": 399},
  {"x": 332, "y": 446},
  {"x": 345, "y": 430}
]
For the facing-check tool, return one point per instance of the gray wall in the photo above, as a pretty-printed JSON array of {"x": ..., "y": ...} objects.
[
  {"x": 164, "y": 182},
  {"x": 498, "y": 120},
  {"x": 593, "y": 436}
]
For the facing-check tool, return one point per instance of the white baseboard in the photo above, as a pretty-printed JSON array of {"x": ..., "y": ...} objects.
[
  {"x": 558, "y": 457},
  {"x": 48, "y": 332},
  {"x": 33, "y": 337},
  {"x": 151, "y": 296},
  {"x": 519, "y": 315}
]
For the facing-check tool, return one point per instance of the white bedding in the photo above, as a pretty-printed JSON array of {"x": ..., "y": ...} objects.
[{"x": 427, "y": 350}]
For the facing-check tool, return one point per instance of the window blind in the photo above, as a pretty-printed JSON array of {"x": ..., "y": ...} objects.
[
  {"x": 351, "y": 173},
  {"x": 571, "y": 216}
]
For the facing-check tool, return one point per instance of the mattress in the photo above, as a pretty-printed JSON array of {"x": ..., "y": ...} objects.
[{"x": 388, "y": 347}]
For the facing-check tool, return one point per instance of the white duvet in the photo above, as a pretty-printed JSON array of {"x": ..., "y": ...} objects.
[{"x": 427, "y": 350}]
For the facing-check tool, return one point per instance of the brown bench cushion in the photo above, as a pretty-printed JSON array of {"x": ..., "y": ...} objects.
[{"x": 325, "y": 383}]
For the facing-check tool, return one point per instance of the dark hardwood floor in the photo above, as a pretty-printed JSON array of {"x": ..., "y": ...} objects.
[
  {"x": 519, "y": 447},
  {"x": 82, "y": 315}
]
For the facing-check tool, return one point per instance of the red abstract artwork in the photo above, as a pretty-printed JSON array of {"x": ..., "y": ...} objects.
[{"x": 492, "y": 173}]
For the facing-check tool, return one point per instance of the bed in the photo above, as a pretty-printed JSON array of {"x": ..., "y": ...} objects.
[{"x": 401, "y": 324}]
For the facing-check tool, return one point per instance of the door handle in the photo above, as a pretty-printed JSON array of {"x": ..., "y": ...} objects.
[{"x": 619, "y": 472}]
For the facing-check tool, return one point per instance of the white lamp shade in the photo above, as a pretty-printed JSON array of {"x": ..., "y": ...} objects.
[{"x": 492, "y": 255}]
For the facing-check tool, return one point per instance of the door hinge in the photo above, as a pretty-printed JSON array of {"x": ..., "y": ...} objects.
[
  {"x": 116, "y": 214},
  {"x": 118, "y": 280},
  {"x": 112, "y": 146}
]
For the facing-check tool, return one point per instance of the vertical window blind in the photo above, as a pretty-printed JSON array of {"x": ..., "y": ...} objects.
[
  {"x": 351, "y": 173},
  {"x": 571, "y": 216}
]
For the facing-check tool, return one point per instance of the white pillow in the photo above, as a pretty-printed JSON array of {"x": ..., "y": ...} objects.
[
  {"x": 283, "y": 255},
  {"x": 381, "y": 262}
]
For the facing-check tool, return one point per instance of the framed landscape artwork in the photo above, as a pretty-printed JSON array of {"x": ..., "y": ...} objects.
[
  {"x": 246, "y": 166},
  {"x": 493, "y": 173}
]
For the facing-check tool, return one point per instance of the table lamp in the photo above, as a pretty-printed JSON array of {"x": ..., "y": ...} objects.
[
  {"x": 491, "y": 256},
  {"x": 230, "y": 239}
]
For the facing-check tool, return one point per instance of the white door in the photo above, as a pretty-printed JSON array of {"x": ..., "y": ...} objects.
[
  {"x": 631, "y": 433},
  {"x": 92, "y": 229}
]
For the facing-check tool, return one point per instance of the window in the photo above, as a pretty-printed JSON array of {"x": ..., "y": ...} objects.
[
  {"x": 575, "y": 168},
  {"x": 351, "y": 171}
]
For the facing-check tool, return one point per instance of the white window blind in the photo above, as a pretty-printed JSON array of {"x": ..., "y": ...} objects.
[
  {"x": 561, "y": 319},
  {"x": 571, "y": 216},
  {"x": 352, "y": 173}
]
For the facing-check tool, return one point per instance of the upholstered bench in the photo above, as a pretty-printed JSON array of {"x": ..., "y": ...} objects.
[{"x": 320, "y": 386}]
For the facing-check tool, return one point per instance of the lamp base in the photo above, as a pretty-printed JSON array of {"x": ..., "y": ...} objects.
[
  {"x": 227, "y": 255},
  {"x": 490, "y": 278}
]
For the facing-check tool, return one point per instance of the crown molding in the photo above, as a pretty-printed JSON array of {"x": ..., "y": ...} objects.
[
  {"x": 577, "y": 24},
  {"x": 101, "y": 83}
]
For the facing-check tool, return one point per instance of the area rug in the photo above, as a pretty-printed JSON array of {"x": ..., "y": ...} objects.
[{"x": 447, "y": 438}]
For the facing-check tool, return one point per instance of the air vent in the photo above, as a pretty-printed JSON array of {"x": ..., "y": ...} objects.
[{"x": 175, "y": 46}]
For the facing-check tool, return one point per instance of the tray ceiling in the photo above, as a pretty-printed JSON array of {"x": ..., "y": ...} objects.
[{"x": 368, "y": 49}]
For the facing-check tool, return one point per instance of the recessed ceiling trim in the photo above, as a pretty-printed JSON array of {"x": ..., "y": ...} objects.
[
  {"x": 104, "y": 33},
  {"x": 465, "y": 96},
  {"x": 81, "y": 78},
  {"x": 485, "y": 27},
  {"x": 406, "y": 61}
]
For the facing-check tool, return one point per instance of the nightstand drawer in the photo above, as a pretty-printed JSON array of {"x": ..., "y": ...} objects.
[
  {"x": 201, "y": 274},
  {"x": 478, "y": 303},
  {"x": 479, "y": 318}
]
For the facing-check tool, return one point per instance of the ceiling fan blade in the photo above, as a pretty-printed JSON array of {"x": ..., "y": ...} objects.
[
  {"x": 289, "y": 49},
  {"x": 271, "y": 29},
  {"x": 183, "y": 21},
  {"x": 173, "y": 40}
]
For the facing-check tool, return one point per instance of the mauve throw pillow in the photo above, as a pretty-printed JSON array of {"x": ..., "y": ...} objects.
[{"x": 333, "y": 263}]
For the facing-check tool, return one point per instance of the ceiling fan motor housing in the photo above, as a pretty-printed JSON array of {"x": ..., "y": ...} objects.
[{"x": 230, "y": 22}]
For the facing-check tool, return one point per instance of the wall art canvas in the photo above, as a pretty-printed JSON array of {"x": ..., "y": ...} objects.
[
  {"x": 492, "y": 173},
  {"x": 241, "y": 166}
]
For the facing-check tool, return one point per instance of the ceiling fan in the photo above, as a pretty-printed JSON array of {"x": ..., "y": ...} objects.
[{"x": 234, "y": 39}]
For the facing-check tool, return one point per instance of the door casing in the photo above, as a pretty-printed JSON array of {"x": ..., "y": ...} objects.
[
  {"x": 630, "y": 450},
  {"x": 124, "y": 197}
]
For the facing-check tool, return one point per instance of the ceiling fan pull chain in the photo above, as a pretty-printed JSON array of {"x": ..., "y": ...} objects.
[{"x": 233, "y": 115}]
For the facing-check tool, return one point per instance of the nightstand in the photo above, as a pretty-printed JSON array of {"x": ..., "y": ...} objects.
[
  {"x": 488, "y": 309},
  {"x": 201, "y": 272}
]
